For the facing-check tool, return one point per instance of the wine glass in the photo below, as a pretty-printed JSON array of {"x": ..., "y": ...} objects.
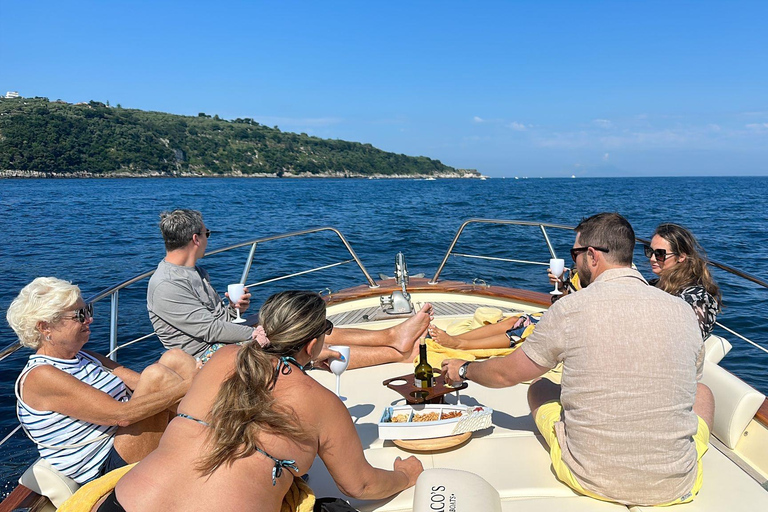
[
  {"x": 236, "y": 292},
  {"x": 339, "y": 365},
  {"x": 556, "y": 266}
]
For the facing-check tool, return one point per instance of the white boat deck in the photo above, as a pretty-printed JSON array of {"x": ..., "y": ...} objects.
[{"x": 510, "y": 456}]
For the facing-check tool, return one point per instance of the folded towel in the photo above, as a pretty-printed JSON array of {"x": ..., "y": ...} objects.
[
  {"x": 436, "y": 353},
  {"x": 87, "y": 496}
]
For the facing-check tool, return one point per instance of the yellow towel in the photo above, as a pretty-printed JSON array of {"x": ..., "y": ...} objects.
[
  {"x": 299, "y": 497},
  {"x": 87, "y": 496},
  {"x": 436, "y": 353}
]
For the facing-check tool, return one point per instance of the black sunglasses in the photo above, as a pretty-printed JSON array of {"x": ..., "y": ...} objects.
[
  {"x": 660, "y": 254},
  {"x": 207, "y": 233},
  {"x": 575, "y": 251},
  {"x": 83, "y": 314},
  {"x": 327, "y": 329}
]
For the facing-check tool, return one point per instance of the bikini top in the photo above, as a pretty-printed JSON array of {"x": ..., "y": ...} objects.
[{"x": 282, "y": 368}]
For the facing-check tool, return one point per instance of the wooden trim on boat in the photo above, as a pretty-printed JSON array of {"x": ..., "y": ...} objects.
[
  {"x": 420, "y": 285},
  {"x": 762, "y": 413},
  {"x": 23, "y": 498}
]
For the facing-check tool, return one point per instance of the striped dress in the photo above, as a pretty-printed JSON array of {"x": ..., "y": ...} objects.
[{"x": 75, "y": 448}]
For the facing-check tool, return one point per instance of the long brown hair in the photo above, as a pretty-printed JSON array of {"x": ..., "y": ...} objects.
[
  {"x": 244, "y": 406},
  {"x": 693, "y": 270}
]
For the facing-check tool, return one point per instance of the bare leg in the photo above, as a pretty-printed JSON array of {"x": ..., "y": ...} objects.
[
  {"x": 136, "y": 441},
  {"x": 401, "y": 337},
  {"x": 541, "y": 392},
  {"x": 487, "y": 336},
  {"x": 704, "y": 405}
]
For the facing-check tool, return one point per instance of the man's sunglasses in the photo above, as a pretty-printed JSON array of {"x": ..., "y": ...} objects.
[
  {"x": 575, "y": 251},
  {"x": 83, "y": 314},
  {"x": 207, "y": 233},
  {"x": 660, "y": 254}
]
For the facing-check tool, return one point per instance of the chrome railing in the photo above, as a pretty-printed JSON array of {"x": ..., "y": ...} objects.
[
  {"x": 541, "y": 225},
  {"x": 113, "y": 292}
]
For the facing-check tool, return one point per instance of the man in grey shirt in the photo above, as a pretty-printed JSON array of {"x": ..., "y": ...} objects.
[
  {"x": 630, "y": 421},
  {"x": 187, "y": 313}
]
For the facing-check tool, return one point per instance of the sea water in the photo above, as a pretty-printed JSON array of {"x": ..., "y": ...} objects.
[{"x": 97, "y": 233}]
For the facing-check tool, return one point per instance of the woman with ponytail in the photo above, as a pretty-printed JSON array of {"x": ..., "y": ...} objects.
[
  {"x": 253, "y": 421},
  {"x": 679, "y": 261}
]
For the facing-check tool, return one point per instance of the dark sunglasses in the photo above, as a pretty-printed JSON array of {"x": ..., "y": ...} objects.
[
  {"x": 83, "y": 314},
  {"x": 575, "y": 251},
  {"x": 207, "y": 233},
  {"x": 327, "y": 329},
  {"x": 660, "y": 254}
]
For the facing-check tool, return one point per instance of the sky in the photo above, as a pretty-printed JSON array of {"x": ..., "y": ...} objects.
[{"x": 515, "y": 88}]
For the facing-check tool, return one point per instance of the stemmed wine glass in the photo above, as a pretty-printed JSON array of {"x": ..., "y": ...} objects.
[
  {"x": 339, "y": 365},
  {"x": 236, "y": 292},
  {"x": 556, "y": 266}
]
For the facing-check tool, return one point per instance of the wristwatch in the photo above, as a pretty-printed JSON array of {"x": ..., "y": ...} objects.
[{"x": 463, "y": 371}]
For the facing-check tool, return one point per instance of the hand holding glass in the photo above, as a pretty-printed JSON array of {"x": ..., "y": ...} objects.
[
  {"x": 339, "y": 365},
  {"x": 236, "y": 292},
  {"x": 556, "y": 266}
]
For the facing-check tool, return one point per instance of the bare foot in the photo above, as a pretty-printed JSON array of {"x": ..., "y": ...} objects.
[
  {"x": 412, "y": 355},
  {"x": 443, "y": 338},
  {"x": 404, "y": 335}
]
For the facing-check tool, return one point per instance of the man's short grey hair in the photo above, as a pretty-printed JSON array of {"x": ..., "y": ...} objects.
[
  {"x": 42, "y": 300},
  {"x": 610, "y": 231},
  {"x": 178, "y": 227}
]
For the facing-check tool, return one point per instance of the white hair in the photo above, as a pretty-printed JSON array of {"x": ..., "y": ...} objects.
[{"x": 42, "y": 300}]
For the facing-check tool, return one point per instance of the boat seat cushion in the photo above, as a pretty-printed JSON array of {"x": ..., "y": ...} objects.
[
  {"x": 736, "y": 403},
  {"x": 726, "y": 488},
  {"x": 455, "y": 490},
  {"x": 716, "y": 348},
  {"x": 42, "y": 478}
]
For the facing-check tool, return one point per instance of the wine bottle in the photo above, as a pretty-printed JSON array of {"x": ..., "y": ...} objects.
[{"x": 423, "y": 377}]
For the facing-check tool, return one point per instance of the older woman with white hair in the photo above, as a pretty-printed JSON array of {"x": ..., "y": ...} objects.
[{"x": 86, "y": 413}]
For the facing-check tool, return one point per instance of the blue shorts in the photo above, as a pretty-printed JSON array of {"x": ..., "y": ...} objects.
[{"x": 113, "y": 461}]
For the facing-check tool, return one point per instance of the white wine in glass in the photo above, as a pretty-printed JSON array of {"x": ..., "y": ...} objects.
[
  {"x": 236, "y": 292},
  {"x": 556, "y": 266},
  {"x": 339, "y": 365}
]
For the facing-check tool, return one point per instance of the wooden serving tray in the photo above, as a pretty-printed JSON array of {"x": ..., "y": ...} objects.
[
  {"x": 437, "y": 443},
  {"x": 414, "y": 395}
]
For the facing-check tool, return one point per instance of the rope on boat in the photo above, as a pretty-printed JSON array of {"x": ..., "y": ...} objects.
[
  {"x": 742, "y": 337},
  {"x": 9, "y": 435},
  {"x": 130, "y": 343}
]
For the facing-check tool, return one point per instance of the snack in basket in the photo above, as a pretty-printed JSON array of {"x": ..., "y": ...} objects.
[
  {"x": 400, "y": 418},
  {"x": 428, "y": 416},
  {"x": 446, "y": 415}
]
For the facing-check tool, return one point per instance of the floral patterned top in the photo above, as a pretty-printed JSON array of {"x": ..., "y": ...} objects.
[{"x": 704, "y": 305}]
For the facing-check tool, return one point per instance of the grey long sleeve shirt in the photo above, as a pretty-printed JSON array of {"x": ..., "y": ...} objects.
[{"x": 186, "y": 311}]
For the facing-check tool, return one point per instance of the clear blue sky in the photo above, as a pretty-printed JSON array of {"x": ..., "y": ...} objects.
[{"x": 530, "y": 88}]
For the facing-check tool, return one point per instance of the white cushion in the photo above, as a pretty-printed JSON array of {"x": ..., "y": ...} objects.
[
  {"x": 42, "y": 478},
  {"x": 736, "y": 403},
  {"x": 454, "y": 490},
  {"x": 716, "y": 348}
]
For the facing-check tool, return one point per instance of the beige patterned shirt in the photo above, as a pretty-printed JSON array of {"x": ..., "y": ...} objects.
[{"x": 632, "y": 355}]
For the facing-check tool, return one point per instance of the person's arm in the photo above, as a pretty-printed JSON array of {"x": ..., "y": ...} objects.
[
  {"x": 178, "y": 306},
  {"x": 342, "y": 453},
  {"x": 129, "y": 377},
  {"x": 498, "y": 372},
  {"x": 47, "y": 388}
]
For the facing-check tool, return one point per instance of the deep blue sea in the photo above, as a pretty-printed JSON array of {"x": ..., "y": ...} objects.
[{"x": 98, "y": 232}]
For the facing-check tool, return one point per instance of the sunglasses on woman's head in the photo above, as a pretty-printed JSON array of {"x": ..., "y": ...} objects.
[
  {"x": 82, "y": 314},
  {"x": 660, "y": 254}
]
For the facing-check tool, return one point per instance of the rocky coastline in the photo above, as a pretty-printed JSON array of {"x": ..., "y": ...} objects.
[{"x": 11, "y": 173}]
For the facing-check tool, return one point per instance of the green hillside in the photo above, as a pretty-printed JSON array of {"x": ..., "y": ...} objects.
[{"x": 38, "y": 136}]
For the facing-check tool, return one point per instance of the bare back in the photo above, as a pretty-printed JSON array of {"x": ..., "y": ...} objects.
[{"x": 168, "y": 480}]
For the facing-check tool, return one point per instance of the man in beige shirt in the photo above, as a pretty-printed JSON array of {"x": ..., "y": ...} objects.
[{"x": 630, "y": 421}]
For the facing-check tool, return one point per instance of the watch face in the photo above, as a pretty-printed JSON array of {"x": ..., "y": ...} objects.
[{"x": 462, "y": 371}]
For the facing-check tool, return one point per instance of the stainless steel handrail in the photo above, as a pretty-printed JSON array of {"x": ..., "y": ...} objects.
[
  {"x": 541, "y": 225},
  {"x": 113, "y": 291}
]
